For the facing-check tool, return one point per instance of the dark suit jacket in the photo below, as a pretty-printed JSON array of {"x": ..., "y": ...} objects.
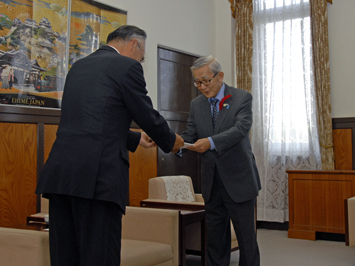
[
  {"x": 233, "y": 158},
  {"x": 103, "y": 93}
]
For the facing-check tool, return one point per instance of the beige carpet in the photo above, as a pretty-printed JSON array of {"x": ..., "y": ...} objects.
[{"x": 276, "y": 249}]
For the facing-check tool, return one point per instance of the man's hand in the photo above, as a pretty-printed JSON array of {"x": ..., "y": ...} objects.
[
  {"x": 200, "y": 146},
  {"x": 179, "y": 142},
  {"x": 146, "y": 141}
]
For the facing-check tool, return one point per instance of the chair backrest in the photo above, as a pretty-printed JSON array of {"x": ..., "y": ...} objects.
[
  {"x": 175, "y": 188},
  {"x": 350, "y": 221}
]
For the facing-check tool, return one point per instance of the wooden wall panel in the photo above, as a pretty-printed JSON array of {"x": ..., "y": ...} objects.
[
  {"x": 18, "y": 172},
  {"x": 343, "y": 149},
  {"x": 143, "y": 166},
  {"x": 26, "y": 138}
]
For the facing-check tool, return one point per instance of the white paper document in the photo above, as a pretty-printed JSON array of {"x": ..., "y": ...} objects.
[{"x": 186, "y": 145}]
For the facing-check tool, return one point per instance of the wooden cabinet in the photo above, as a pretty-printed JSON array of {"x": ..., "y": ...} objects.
[
  {"x": 26, "y": 137},
  {"x": 316, "y": 201}
]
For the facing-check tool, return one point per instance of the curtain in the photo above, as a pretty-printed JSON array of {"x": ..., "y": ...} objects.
[
  {"x": 284, "y": 134},
  {"x": 243, "y": 14},
  {"x": 319, "y": 21}
]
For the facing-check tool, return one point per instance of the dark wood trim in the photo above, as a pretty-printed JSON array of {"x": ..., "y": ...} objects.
[
  {"x": 28, "y": 110},
  {"x": 322, "y": 172},
  {"x": 32, "y": 115},
  {"x": 346, "y": 123},
  {"x": 177, "y": 51},
  {"x": 33, "y": 219}
]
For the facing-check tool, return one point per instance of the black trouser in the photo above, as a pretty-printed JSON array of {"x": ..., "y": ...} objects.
[
  {"x": 84, "y": 232},
  {"x": 220, "y": 209}
]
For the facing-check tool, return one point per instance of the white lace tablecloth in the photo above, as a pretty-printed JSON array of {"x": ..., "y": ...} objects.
[{"x": 178, "y": 188}]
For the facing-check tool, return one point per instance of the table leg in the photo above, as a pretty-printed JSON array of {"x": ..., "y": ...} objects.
[{"x": 182, "y": 242}]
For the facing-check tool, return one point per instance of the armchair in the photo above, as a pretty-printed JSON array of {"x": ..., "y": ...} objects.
[
  {"x": 350, "y": 221},
  {"x": 165, "y": 192},
  {"x": 181, "y": 195}
]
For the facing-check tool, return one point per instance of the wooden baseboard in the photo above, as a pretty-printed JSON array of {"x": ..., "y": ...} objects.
[{"x": 302, "y": 234}]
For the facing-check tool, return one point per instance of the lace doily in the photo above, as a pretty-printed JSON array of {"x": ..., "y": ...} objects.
[{"x": 178, "y": 188}]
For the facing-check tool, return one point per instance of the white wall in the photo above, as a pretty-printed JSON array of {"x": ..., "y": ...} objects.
[
  {"x": 341, "y": 28},
  {"x": 204, "y": 27},
  {"x": 225, "y": 41},
  {"x": 186, "y": 25}
]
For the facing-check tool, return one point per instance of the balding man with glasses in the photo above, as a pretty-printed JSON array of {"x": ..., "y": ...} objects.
[{"x": 219, "y": 123}]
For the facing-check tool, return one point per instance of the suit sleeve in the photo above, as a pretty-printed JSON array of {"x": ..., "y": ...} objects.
[
  {"x": 242, "y": 123},
  {"x": 141, "y": 109},
  {"x": 133, "y": 140}
]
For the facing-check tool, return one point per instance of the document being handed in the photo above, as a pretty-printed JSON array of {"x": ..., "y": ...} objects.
[{"x": 186, "y": 145}]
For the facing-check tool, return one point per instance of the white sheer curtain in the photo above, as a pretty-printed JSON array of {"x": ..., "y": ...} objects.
[{"x": 284, "y": 134}]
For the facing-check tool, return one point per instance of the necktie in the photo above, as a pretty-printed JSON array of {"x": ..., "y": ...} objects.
[{"x": 214, "y": 111}]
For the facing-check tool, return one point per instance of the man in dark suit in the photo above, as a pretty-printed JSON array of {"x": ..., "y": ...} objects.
[
  {"x": 86, "y": 174},
  {"x": 230, "y": 180}
]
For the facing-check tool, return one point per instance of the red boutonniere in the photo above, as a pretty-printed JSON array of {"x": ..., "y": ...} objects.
[{"x": 222, "y": 101}]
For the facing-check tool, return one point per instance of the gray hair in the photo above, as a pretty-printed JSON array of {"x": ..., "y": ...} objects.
[
  {"x": 126, "y": 33},
  {"x": 213, "y": 63}
]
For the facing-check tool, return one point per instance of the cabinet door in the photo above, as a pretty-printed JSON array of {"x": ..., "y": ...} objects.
[{"x": 18, "y": 172}]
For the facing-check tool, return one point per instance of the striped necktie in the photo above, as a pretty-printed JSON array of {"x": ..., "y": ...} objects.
[{"x": 214, "y": 110}]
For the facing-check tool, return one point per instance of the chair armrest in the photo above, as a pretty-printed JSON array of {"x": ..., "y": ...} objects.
[
  {"x": 199, "y": 198},
  {"x": 350, "y": 221},
  {"x": 24, "y": 247},
  {"x": 175, "y": 205},
  {"x": 155, "y": 225}
]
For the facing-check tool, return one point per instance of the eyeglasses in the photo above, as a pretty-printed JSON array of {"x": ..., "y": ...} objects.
[{"x": 205, "y": 82}]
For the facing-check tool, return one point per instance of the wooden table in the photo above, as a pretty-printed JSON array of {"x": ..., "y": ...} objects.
[
  {"x": 186, "y": 218},
  {"x": 316, "y": 201}
]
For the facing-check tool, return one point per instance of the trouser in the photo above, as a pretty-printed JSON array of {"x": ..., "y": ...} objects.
[
  {"x": 220, "y": 209},
  {"x": 84, "y": 232}
]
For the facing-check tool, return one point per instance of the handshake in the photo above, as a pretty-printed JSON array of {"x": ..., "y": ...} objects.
[{"x": 147, "y": 142}]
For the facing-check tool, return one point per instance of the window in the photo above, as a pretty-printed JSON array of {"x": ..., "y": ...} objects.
[{"x": 284, "y": 134}]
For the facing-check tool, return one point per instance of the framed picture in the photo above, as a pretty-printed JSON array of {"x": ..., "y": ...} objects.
[{"x": 39, "y": 42}]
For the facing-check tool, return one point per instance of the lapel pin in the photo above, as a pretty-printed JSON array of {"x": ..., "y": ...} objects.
[{"x": 221, "y": 105}]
